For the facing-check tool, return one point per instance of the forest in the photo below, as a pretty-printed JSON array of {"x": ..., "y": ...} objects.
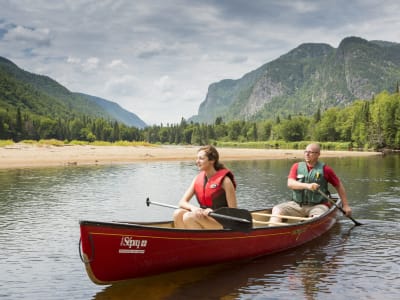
[{"x": 364, "y": 124}]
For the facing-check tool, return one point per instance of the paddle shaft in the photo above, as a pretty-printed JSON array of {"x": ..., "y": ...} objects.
[
  {"x": 341, "y": 209},
  {"x": 211, "y": 214}
]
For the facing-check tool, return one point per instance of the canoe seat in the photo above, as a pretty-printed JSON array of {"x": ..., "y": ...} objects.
[
  {"x": 263, "y": 218},
  {"x": 257, "y": 223}
]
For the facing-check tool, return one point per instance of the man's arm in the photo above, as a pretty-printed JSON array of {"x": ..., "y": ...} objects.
[
  {"x": 342, "y": 194},
  {"x": 297, "y": 185}
]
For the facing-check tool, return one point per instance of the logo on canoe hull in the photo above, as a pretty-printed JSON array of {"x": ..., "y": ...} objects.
[
  {"x": 298, "y": 232},
  {"x": 132, "y": 246}
]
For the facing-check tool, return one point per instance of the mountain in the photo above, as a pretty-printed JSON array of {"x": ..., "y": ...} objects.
[
  {"x": 116, "y": 111},
  {"x": 311, "y": 76},
  {"x": 43, "y": 96}
]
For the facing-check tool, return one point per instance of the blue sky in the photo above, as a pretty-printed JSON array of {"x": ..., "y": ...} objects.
[{"x": 157, "y": 58}]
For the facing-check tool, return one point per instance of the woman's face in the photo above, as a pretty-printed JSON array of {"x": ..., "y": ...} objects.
[{"x": 202, "y": 161}]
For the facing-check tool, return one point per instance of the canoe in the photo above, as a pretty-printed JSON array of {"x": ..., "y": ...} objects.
[{"x": 115, "y": 251}]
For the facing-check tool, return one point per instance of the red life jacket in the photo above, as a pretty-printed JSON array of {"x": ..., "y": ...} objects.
[{"x": 209, "y": 193}]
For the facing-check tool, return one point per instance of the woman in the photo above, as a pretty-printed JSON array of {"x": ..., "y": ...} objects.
[{"x": 214, "y": 187}]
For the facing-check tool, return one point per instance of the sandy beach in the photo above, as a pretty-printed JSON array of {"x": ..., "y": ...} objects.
[{"x": 26, "y": 156}]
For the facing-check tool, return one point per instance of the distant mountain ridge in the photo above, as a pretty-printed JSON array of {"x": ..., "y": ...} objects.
[
  {"x": 116, "y": 111},
  {"x": 44, "y": 96},
  {"x": 309, "y": 76}
]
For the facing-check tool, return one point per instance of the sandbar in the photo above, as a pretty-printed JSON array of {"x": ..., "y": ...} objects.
[{"x": 20, "y": 155}]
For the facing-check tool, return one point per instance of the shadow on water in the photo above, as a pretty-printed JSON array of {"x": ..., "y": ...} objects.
[{"x": 299, "y": 271}]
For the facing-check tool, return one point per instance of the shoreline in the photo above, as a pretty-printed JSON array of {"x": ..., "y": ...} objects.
[{"x": 30, "y": 156}]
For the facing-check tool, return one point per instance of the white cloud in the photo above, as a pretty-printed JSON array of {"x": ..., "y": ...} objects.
[
  {"x": 34, "y": 37},
  {"x": 164, "y": 84},
  {"x": 123, "y": 86},
  {"x": 157, "y": 58},
  {"x": 91, "y": 64},
  {"x": 116, "y": 63},
  {"x": 73, "y": 60}
]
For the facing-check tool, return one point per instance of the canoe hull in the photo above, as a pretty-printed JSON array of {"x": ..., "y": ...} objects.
[{"x": 114, "y": 251}]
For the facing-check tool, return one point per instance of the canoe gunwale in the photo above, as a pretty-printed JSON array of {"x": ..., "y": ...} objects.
[{"x": 153, "y": 225}]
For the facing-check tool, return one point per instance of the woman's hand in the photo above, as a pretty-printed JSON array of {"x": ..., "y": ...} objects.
[
  {"x": 207, "y": 211},
  {"x": 200, "y": 212}
]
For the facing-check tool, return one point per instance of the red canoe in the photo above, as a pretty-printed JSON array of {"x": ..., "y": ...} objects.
[{"x": 114, "y": 251}]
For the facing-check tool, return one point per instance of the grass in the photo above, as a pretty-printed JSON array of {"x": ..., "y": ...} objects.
[
  {"x": 4, "y": 143},
  {"x": 278, "y": 144},
  {"x": 53, "y": 142}
]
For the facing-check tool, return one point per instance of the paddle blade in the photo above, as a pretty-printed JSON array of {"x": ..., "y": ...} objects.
[{"x": 241, "y": 218}]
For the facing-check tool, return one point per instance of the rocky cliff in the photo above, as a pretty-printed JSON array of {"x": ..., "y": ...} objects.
[{"x": 311, "y": 76}]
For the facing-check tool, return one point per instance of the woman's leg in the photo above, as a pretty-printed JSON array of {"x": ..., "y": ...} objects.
[
  {"x": 178, "y": 217},
  {"x": 194, "y": 221}
]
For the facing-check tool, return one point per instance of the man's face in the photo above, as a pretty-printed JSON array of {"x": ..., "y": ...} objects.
[{"x": 311, "y": 155}]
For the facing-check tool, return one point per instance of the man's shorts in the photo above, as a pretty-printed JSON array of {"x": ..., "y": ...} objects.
[{"x": 292, "y": 208}]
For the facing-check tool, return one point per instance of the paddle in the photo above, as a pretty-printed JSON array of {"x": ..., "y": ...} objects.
[
  {"x": 341, "y": 209},
  {"x": 230, "y": 218}
]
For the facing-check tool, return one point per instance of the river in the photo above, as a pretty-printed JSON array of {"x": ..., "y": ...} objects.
[{"x": 40, "y": 210}]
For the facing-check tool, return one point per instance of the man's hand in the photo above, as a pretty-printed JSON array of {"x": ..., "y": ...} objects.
[
  {"x": 313, "y": 186},
  {"x": 347, "y": 210}
]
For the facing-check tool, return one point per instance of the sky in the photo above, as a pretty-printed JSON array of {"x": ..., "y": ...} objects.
[{"x": 157, "y": 58}]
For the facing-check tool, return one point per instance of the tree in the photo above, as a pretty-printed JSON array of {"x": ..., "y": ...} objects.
[
  {"x": 252, "y": 133},
  {"x": 360, "y": 119},
  {"x": 196, "y": 137},
  {"x": 325, "y": 130},
  {"x": 18, "y": 126},
  {"x": 317, "y": 115},
  {"x": 47, "y": 128},
  {"x": 294, "y": 129},
  {"x": 4, "y": 127},
  {"x": 75, "y": 127},
  {"x": 163, "y": 134},
  {"x": 384, "y": 119},
  {"x": 218, "y": 121},
  {"x": 265, "y": 131},
  {"x": 234, "y": 129},
  {"x": 116, "y": 132}
]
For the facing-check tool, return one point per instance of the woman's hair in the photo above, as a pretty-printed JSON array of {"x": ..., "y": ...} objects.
[{"x": 212, "y": 154}]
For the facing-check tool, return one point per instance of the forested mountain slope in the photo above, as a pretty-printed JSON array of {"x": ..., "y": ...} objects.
[
  {"x": 42, "y": 96},
  {"x": 309, "y": 77}
]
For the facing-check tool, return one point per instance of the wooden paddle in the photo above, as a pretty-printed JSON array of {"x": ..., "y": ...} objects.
[
  {"x": 341, "y": 209},
  {"x": 230, "y": 218}
]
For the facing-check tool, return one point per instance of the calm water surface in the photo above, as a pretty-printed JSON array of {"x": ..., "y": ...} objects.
[{"x": 40, "y": 211}]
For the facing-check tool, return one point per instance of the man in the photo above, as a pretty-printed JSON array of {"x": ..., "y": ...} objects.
[{"x": 305, "y": 178}]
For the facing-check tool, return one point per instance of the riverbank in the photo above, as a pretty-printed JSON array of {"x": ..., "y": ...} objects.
[{"x": 26, "y": 156}]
